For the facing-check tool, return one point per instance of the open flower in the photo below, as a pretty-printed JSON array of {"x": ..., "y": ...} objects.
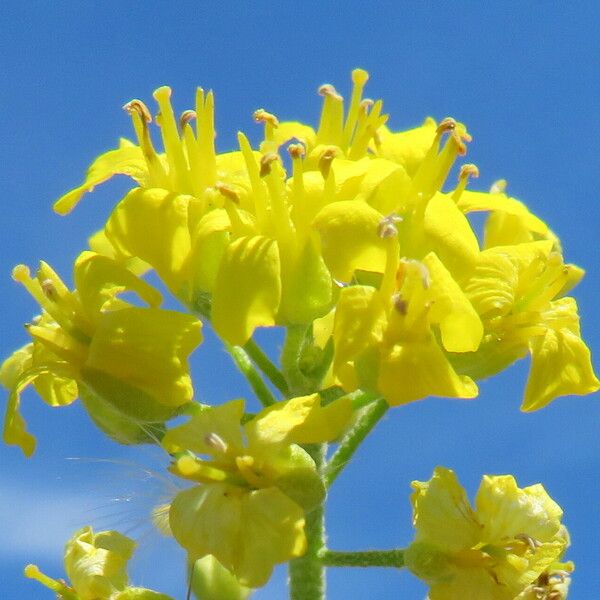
[
  {"x": 127, "y": 363},
  {"x": 494, "y": 550},
  {"x": 248, "y": 509},
  {"x": 96, "y": 567},
  {"x": 518, "y": 291},
  {"x": 385, "y": 339}
]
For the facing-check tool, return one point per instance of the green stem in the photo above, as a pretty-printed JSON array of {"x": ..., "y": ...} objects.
[
  {"x": 290, "y": 360},
  {"x": 247, "y": 368},
  {"x": 369, "y": 558},
  {"x": 370, "y": 416},
  {"x": 307, "y": 573},
  {"x": 264, "y": 363}
]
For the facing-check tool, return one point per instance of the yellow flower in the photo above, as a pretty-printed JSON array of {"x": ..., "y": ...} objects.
[
  {"x": 128, "y": 364},
  {"x": 248, "y": 511},
  {"x": 494, "y": 550},
  {"x": 96, "y": 566},
  {"x": 384, "y": 338},
  {"x": 518, "y": 291}
]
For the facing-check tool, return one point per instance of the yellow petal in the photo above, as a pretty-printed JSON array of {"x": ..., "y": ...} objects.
[
  {"x": 99, "y": 243},
  {"x": 247, "y": 290},
  {"x": 407, "y": 148},
  {"x": 301, "y": 420},
  {"x": 143, "y": 350},
  {"x": 471, "y": 201},
  {"x": 349, "y": 238},
  {"x": 442, "y": 513},
  {"x": 152, "y": 224},
  {"x": 450, "y": 234},
  {"x": 506, "y": 511},
  {"x": 271, "y": 532},
  {"x": 419, "y": 369},
  {"x": 126, "y": 160},
  {"x": 460, "y": 326},
  {"x": 223, "y": 421},
  {"x": 99, "y": 279},
  {"x": 96, "y": 563},
  {"x": 560, "y": 366}
]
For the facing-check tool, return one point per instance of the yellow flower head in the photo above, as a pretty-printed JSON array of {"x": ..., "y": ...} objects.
[
  {"x": 518, "y": 291},
  {"x": 95, "y": 564},
  {"x": 248, "y": 511},
  {"x": 127, "y": 363},
  {"x": 494, "y": 550}
]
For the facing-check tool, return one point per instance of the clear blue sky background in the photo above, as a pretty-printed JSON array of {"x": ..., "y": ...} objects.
[{"x": 523, "y": 76}]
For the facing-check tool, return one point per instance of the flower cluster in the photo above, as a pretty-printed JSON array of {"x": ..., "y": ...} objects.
[{"x": 350, "y": 236}]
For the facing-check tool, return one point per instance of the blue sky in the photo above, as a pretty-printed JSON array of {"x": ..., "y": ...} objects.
[{"x": 523, "y": 76}]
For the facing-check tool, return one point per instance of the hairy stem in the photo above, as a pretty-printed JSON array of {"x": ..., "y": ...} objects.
[
  {"x": 368, "y": 558},
  {"x": 307, "y": 573},
  {"x": 369, "y": 417}
]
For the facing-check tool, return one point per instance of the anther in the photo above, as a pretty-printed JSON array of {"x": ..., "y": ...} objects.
[
  {"x": 458, "y": 134},
  {"x": 365, "y": 104},
  {"x": 387, "y": 226},
  {"x": 400, "y": 304},
  {"x": 262, "y": 116},
  {"x": 326, "y": 159},
  {"x": 532, "y": 543},
  {"x": 498, "y": 187},
  {"x": 422, "y": 270},
  {"x": 266, "y": 161},
  {"x": 468, "y": 170},
  {"x": 137, "y": 106},
  {"x": 216, "y": 442},
  {"x": 227, "y": 191},
  {"x": 328, "y": 90},
  {"x": 446, "y": 125},
  {"x": 296, "y": 151},
  {"x": 49, "y": 289},
  {"x": 187, "y": 116}
]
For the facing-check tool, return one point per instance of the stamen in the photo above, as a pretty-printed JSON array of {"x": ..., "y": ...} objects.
[
  {"x": 331, "y": 124},
  {"x": 227, "y": 191},
  {"x": 187, "y": 116},
  {"x": 258, "y": 189},
  {"x": 136, "y": 106},
  {"x": 410, "y": 266},
  {"x": 296, "y": 151},
  {"x": 216, "y": 442},
  {"x": 499, "y": 186},
  {"x": 265, "y": 163},
  {"x": 326, "y": 159},
  {"x": 466, "y": 171},
  {"x": 262, "y": 116},
  {"x": 359, "y": 78},
  {"x": 327, "y": 90},
  {"x": 387, "y": 226},
  {"x": 400, "y": 304},
  {"x": 49, "y": 290}
]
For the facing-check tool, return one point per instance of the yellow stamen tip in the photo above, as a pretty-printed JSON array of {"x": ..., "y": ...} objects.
[
  {"x": 31, "y": 571},
  {"x": 21, "y": 273},
  {"x": 326, "y": 159},
  {"x": 328, "y": 90},
  {"x": 360, "y": 76},
  {"x": 137, "y": 106},
  {"x": 468, "y": 170},
  {"x": 262, "y": 116},
  {"x": 162, "y": 93}
]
